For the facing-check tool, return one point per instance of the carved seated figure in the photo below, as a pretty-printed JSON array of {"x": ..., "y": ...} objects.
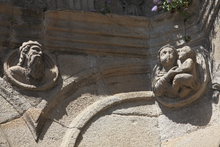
[
  {"x": 34, "y": 70},
  {"x": 176, "y": 74},
  {"x": 186, "y": 81},
  {"x": 164, "y": 72},
  {"x": 180, "y": 77}
]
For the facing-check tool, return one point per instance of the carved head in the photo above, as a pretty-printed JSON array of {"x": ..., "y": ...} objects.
[
  {"x": 31, "y": 58},
  {"x": 167, "y": 56},
  {"x": 186, "y": 52}
]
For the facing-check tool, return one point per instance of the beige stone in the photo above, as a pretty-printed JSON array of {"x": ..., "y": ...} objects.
[
  {"x": 34, "y": 70},
  {"x": 18, "y": 134},
  {"x": 180, "y": 77},
  {"x": 120, "y": 131},
  {"x": 204, "y": 137},
  {"x": 104, "y": 95}
]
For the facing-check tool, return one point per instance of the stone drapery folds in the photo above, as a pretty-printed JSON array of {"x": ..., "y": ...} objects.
[{"x": 180, "y": 77}]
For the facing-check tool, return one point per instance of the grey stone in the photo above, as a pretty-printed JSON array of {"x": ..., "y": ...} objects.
[
  {"x": 7, "y": 111},
  {"x": 18, "y": 134},
  {"x": 3, "y": 140}
]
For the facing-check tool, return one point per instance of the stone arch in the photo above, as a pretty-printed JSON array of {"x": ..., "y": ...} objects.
[{"x": 85, "y": 116}]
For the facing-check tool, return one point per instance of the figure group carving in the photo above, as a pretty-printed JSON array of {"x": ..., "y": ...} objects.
[
  {"x": 176, "y": 74},
  {"x": 35, "y": 69}
]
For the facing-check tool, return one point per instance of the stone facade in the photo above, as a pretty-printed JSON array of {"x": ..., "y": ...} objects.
[{"x": 102, "y": 94}]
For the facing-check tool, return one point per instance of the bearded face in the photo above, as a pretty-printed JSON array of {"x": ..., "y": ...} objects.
[{"x": 35, "y": 65}]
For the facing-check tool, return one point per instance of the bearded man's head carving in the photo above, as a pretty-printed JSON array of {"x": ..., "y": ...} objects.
[
  {"x": 31, "y": 58},
  {"x": 30, "y": 68}
]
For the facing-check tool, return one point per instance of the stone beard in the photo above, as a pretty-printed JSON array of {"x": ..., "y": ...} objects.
[
  {"x": 35, "y": 67},
  {"x": 31, "y": 66}
]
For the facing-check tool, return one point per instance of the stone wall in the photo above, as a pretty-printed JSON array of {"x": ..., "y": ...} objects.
[{"x": 103, "y": 95}]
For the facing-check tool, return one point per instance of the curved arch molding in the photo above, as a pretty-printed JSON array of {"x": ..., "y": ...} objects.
[{"x": 85, "y": 116}]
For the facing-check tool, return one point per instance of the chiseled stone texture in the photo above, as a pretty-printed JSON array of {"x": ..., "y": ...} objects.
[
  {"x": 99, "y": 56},
  {"x": 174, "y": 123},
  {"x": 3, "y": 140},
  {"x": 216, "y": 51},
  {"x": 128, "y": 124},
  {"x": 140, "y": 108},
  {"x": 18, "y": 134},
  {"x": 59, "y": 119},
  {"x": 206, "y": 137},
  {"x": 115, "y": 130},
  {"x": 7, "y": 112}
]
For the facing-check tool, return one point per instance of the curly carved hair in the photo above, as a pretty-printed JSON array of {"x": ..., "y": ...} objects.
[
  {"x": 24, "y": 48},
  {"x": 189, "y": 53}
]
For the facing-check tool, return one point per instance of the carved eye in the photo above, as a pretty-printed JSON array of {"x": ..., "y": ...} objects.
[
  {"x": 25, "y": 50},
  {"x": 36, "y": 49}
]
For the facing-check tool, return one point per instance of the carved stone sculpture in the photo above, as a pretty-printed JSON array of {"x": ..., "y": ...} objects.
[
  {"x": 39, "y": 4},
  {"x": 176, "y": 77},
  {"x": 186, "y": 80},
  {"x": 34, "y": 70},
  {"x": 132, "y": 7}
]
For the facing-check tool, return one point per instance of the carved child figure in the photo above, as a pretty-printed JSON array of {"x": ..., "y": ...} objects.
[{"x": 186, "y": 81}]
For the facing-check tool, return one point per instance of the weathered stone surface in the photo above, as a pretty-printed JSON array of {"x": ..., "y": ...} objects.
[
  {"x": 175, "y": 123},
  {"x": 205, "y": 137},
  {"x": 125, "y": 7},
  {"x": 216, "y": 52},
  {"x": 121, "y": 131},
  {"x": 105, "y": 64},
  {"x": 140, "y": 108},
  {"x": 71, "y": 107},
  {"x": 81, "y": 63},
  {"x": 18, "y": 133},
  {"x": 7, "y": 111},
  {"x": 3, "y": 139},
  {"x": 180, "y": 77},
  {"x": 20, "y": 102},
  {"x": 122, "y": 7},
  {"x": 52, "y": 134}
]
